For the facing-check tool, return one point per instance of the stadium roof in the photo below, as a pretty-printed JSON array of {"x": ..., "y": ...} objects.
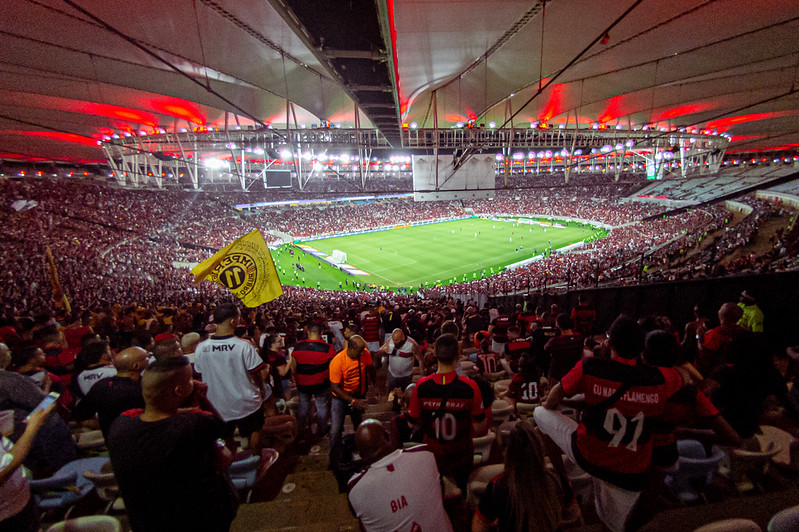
[{"x": 75, "y": 70}]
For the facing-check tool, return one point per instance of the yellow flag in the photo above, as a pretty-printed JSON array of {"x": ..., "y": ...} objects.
[{"x": 245, "y": 267}]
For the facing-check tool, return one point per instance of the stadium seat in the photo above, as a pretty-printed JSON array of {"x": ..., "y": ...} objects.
[
  {"x": 67, "y": 486},
  {"x": 106, "y": 487},
  {"x": 730, "y": 525},
  {"x": 478, "y": 481},
  {"x": 89, "y": 523},
  {"x": 482, "y": 448},
  {"x": 695, "y": 470},
  {"x": 785, "y": 521},
  {"x": 501, "y": 411},
  {"x": 748, "y": 467},
  {"x": 788, "y": 455},
  {"x": 501, "y": 387}
]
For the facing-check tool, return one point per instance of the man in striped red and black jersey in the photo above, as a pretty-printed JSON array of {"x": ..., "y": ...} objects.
[
  {"x": 311, "y": 367},
  {"x": 450, "y": 410},
  {"x": 372, "y": 332},
  {"x": 515, "y": 349},
  {"x": 613, "y": 441},
  {"x": 499, "y": 332},
  {"x": 565, "y": 349}
]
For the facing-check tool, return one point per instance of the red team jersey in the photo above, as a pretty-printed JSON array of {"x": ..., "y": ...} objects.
[
  {"x": 488, "y": 362},
  {"x": 524, "y": 390},
  {"x": 371, "y": 329},
  {"x": 447, "y": 431},
  {"x": 614, "y": 441}
]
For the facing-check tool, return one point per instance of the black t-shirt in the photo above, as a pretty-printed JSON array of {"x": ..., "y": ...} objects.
[
  {"x": 108, "y": 398},
  {"x": 166, "y": 472}
]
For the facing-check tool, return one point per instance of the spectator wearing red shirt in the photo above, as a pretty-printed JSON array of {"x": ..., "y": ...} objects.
[
  {"x": 449, "y": 409},
  {"x": 715, "y": 343},
  {"x": 613, "y": 441},
  {"x": 311, "y": 368}
]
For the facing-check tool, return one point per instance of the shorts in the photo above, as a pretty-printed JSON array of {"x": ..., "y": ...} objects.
[
  {"x": 247, "y": 425},
  {"x": 613, "y": 504}
]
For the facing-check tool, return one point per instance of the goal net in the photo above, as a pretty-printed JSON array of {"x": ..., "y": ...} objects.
[{"x": 338, "y": 257}]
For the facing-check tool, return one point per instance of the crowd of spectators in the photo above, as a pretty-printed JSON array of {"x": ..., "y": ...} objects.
[
  {"x": 127, "y": 245},
  {"x": 715, "y": 359}
]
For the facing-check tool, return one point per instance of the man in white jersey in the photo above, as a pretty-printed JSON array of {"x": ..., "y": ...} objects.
[
  {"x": 401, "y": 352},
  {"x": 235, "y": 375},
  {"x": 400, "y": 489}
]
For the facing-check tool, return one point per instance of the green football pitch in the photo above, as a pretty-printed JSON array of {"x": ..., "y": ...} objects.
[{"x": 439, "y": 253}]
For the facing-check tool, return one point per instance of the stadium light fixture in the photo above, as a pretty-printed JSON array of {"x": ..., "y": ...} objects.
[
  {"x": 258, "y": 151},
  {"x": 578, "y": 152},
  {"x": 518, "y": 156},
  {"x": 459, "y": 124},
  {"x": 548, "y": 154},
  {"x": 345, "y": 158},
  {"x": 531, "y": 155},
  {"x": 619, "y": 146},
  {"x": 533, "y": 125},
  {"x": 630, "y": 143},
  {"x": 492, "y": 125},
  {"x": 285, "y": 154},
  {"x": 606, "y": 148},
  {"x": 317, "y": 166},
  {"x": 307, "y": 156},
  {"x": 414, "y": 125},
  {"x": 215, "y": 164},
  {"x": 541, "y": 154},
  {"x": 499, "y": 157}
]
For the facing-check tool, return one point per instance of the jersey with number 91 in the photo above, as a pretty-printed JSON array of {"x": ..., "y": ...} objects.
[
  {"x": 614, "y": 440},
  {"x": 447, "y": 431}
]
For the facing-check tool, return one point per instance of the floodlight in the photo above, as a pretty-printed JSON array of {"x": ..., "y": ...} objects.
[
  {"x": 492, "y": 125},
  {"x": 499, "y": 157},
  {"x": 414, "y": 125},
  {"x": 215, "y": 164},
  {"x": 285, "y": 154}
]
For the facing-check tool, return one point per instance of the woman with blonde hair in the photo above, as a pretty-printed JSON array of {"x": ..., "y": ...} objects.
[{"x": 528, "y": 495}]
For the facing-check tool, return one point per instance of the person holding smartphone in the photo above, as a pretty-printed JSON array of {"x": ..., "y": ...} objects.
[{"x": 17, "y": 510}]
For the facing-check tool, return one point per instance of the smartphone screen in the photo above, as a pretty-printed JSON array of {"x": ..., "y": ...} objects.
[{"x": 51, "y": 398}]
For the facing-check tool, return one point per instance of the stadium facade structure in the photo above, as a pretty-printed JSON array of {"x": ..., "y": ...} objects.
[{"x": 249, "y": 153}]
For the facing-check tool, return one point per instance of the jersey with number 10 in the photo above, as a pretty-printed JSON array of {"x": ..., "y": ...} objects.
[
  {"x": 448, "y": 433},
  {"x": 614, "y": 441}
]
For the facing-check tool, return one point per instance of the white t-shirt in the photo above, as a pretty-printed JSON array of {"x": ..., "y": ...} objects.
[
  {"x": 88, "y": 377},
  {"x": 14, "y": 492},
  {"x": 401, "y": 491},
  {"x": 336, "y": 327},
  {"x": 401, "y": 364},
  {"x": 225, "y": 363}
]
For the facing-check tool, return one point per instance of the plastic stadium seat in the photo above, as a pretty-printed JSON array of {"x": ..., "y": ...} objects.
[
  {"x": 695, "y": 470},
  {"x": 67, "y": 486},
  {"x": 478, "y": 481},
  {"x": 501, "y": 387},
  {"x": 788, "y": 455},
  {"x": 500, "y": 411},
  {"x": 785, "y": 521},
  {"x": 248, "y": 470},
  {"x": 89, "y": 523},
  {"x": 747, "y": 467},
  {"x": 482, "y": 448},
  {"x": 730, "y": 525},
  {"x": 105, "y": 485},
  {"x": 90, "y": 440}
]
